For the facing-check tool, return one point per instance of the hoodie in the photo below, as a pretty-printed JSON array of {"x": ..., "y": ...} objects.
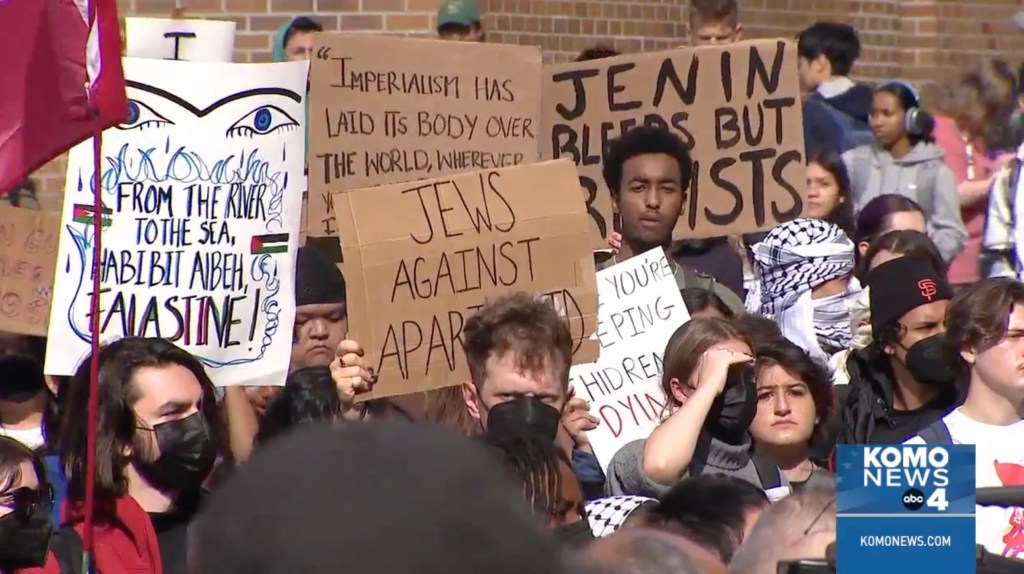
[
  {"x": 854, "y": 102},
  {"x": 836, "y": 116},
  {"x": 279, "y": 56},
  {"x": 922, "y": 176}
]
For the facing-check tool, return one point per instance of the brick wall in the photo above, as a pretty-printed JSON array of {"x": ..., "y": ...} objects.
[{"x": 921, "y": 40}]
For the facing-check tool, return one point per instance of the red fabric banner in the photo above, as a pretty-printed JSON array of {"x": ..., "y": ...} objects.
[{"x": 62, "y": 80}]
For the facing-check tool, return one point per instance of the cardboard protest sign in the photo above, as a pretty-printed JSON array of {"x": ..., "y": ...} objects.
[
  {"x": 387, "y": 110},
  {"x": 201, "y": 189},
  {"x": 28, "y": 252},
  {"x": 640, "y": 307},
  {"x": 174, "y": 39},
  {"x": 736, "y": 107},
  {"x": 422, "y": 256}
]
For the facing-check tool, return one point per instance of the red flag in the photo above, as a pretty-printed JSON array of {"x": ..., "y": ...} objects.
[{"x": 62, "y": 80}]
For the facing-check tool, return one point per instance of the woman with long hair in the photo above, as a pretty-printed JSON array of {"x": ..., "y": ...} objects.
[
  {"x": 963, "y": 117},
  {"x": 708, "y": 382},
  {"x": 828, "y": 190}
]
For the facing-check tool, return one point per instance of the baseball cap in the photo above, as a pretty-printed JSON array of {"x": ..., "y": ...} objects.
[{"x": 462, "y": 12}]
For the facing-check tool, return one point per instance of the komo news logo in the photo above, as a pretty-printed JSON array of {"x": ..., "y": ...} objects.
[{"x": 920, "y": 471}]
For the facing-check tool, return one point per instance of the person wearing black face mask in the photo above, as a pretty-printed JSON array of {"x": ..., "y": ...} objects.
[
  {"x": 519, "y": 351},
  {"x": 906, "y": 378},
  {"x": 157, "y": 440},
  {"x": 25, "y": 501},
  {"x": 708, "y": 380}
]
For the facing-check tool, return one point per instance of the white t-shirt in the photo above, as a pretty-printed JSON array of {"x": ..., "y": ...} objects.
[
  {"x": 32, "y": 438},
  {"x": 999, "y": 452}
]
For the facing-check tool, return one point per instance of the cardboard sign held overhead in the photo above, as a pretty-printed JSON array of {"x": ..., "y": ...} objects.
[
  {"x": 736, "y": 107},
  {"x": 174, "y": 39},
  {"x": 422, "y": 256},
  {"x": 28, "y": 255},
  {"x": 386, "y": 110}
]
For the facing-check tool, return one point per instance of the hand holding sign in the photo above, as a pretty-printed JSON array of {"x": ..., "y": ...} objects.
[
  {"x": 349, "y": 373},
  {"x": 577, "y": 420}
]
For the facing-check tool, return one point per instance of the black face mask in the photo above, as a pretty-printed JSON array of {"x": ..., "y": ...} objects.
[
  {"x": 187, "y": 454},
  {"x": 573, "y": 535},
  {"x": 25, "y": 542},
  {"x": 733, "y": 410},
  {"x": 927, "y": 361},
  {"x": 23, "y": 379},
  {"x": 525, "y": 416}
]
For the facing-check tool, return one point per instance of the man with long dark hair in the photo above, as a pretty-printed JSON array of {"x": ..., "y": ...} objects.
[{"x": 156, "y": 440}]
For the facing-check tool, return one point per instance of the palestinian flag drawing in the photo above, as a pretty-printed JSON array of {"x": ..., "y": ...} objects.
[
  {"x": 273, "y": 243},
  {"x": 84, "y": 214}
]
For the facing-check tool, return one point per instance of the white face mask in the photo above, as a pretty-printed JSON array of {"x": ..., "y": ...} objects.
[{"x": 832, "y": 317}]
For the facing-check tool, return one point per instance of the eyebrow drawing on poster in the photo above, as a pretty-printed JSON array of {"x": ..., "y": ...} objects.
[{"x": 201, "y": 210}]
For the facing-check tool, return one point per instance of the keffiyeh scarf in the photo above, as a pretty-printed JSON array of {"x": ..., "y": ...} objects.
[
  {"x": 606, "y": 515},
  {"x": 793, "y": 259}
]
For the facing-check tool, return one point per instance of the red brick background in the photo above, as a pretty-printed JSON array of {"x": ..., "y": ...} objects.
[{"x": 920, "y": 40}]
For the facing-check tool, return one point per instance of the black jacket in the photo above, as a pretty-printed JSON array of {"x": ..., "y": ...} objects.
[{"x": 866, "y": 403}]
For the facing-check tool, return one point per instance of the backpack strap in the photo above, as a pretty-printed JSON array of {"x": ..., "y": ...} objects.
[
  {"x": 936, "y": 433},
  {"x": 770, "y": 476},
  {"x": 67, "y": 548}
]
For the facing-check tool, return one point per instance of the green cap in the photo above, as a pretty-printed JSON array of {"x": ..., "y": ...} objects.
[{"x": 462, "y": 12}]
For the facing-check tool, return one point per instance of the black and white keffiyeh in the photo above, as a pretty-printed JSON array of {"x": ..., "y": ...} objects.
[
  {"x": 606, "y": 515},
  {"x": 793, "y": 259}
]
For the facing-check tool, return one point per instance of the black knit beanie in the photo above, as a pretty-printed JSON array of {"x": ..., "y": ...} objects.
[
  {"x": 318, "y": 280},
  {"x": 901, "y": 285}
]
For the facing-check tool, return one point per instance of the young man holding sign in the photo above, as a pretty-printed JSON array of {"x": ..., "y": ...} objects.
[
  {"x": 648, "y": 172},
  {"x": 986, "y": 325}
]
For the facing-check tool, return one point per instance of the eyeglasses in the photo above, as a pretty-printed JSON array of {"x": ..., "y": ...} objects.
[{"x": 24, "y": 501}]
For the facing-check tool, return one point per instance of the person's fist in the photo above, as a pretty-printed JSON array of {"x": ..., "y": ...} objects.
[{"x": 349, "y": 372}]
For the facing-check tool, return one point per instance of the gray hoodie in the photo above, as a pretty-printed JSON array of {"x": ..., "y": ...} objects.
[{"x": 921, "y": 175}]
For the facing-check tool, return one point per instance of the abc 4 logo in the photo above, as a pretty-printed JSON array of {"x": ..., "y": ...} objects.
[{"x": 914, "y": 499}]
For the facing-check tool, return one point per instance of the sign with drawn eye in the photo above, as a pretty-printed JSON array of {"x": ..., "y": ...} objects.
[{"x": 201, "y": 190}]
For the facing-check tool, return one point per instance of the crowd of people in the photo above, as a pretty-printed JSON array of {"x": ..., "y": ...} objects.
[{"x": 891, "y": 312}]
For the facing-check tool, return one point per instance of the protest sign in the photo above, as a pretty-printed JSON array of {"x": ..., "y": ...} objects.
[
  {"x": 639, "y": 307},
  {"x": 174, "y": 39},
  {"x": 201, "y": 189},
  {"x": 422, "y": 256},
  {"x": 28, "y": 252},
  {"x": 736, "y": 107},
  {"x": 387, "y": 110}
]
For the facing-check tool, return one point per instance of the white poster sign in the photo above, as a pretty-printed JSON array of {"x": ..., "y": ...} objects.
[
  {"x": 639, "y": 307},
  {"x": 201, "y": 190},
  {"x": 173, "y": 39}
]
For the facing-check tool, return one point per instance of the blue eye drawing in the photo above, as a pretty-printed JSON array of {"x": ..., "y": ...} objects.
[
  {"x": 141, "y": 116},
  {"x": 262, "y": 121}
]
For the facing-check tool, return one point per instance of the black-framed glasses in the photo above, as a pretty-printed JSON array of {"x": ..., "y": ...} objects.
[{"x": 25, "y": 501}]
